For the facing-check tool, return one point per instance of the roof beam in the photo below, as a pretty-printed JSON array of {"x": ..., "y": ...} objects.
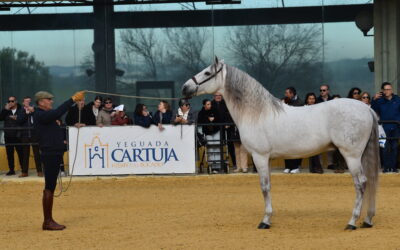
[{"x": 192, "y": 18}]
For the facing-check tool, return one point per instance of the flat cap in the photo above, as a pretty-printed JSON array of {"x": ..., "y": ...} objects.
[{"x": 43, "y": 95}]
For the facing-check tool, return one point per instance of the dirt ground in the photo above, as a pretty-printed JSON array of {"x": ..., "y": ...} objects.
[{"x": 198, "y": 212}]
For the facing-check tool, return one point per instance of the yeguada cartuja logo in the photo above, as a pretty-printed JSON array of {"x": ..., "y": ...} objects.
[
  {"x": 143, "y": 151},
  {"x": 96, "y": 154}
]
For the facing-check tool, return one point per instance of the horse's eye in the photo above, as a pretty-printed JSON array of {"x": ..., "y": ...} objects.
[{"x": 207, "y": 73}]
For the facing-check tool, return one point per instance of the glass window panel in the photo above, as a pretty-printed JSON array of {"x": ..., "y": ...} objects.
[
  {"x": 173, "y": 54},
  {"x": 245, "y": 4},
  {"x": 45, "y": 60},
  {"x": 347, "y": 53}
]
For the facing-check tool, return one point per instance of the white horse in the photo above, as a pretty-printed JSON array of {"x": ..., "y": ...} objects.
[{"x": 271, "y": 129}]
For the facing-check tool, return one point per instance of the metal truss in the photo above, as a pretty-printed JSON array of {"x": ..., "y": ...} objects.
[{"x": 61, "y": 3}]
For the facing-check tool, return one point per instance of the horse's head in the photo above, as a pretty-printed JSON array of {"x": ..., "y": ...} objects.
[{"x": 208, "y": 81}]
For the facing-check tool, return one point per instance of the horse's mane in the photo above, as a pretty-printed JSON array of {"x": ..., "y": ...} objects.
[{"x": 248, "y": 95}]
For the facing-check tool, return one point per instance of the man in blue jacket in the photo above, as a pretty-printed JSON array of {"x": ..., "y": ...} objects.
[
  {"x": 387, "y": 106},
  {"x": 51, "y": 144}
]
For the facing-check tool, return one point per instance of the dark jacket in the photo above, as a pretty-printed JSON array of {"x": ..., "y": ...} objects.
[
  {"x": 296, "y": 101},
  {"x": 203, "y": 118},
  {"x": 221, "y": 111},
  {"x": 387, "y": 110},
  {"x": 319, "y": 99},
  {"x": 163, "y": 118},
  {"x": 191, "y": 117},
  {"x": 51, "y": 135},
  {"x": 26, "y": 120},
  {"x": 9, "y": 122},
  {"x": 73, "y": 116},
  {"x": 91, "y": 118},
  {"x": 141, "y": 120}
]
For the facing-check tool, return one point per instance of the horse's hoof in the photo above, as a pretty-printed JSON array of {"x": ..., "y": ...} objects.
[
  {"x": 366, "y": 225},
  {"x": 263, "y": 226},
  {"x": 350, "y": 227}
]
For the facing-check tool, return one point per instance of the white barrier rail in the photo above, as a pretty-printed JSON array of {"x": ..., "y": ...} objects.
[{"x": 119, "y": 150}]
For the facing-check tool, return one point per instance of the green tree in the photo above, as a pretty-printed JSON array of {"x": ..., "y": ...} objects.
[{"x": 21, "y": 74}]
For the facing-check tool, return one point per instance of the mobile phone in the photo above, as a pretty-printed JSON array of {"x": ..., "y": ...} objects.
[{"x": 381, "y": 93}]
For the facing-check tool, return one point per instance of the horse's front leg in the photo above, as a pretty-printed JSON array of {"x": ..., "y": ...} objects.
[{"x": 264, "y": 171}]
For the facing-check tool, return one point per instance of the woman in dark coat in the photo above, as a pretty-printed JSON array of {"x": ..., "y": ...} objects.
[
  {"x": 77, "y": 115},
  {"x": 163, "y": 114},
  {"x": 354, "y": 93},
  {"x": 207, "y": 116},
  {"x": 92, "y": 110},
  {"x": 142, "y": 117}
]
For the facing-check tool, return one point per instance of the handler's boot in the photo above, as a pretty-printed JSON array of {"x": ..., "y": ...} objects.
[{"x": 49, "y": 223}]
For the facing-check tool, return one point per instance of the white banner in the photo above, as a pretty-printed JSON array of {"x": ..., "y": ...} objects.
[{"x": 132, "y": 150}]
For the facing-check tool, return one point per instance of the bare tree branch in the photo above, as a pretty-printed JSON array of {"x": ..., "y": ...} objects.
[
  {"x": 270, "y": 53},
  {"x": 187, "y": 45},
  {"x": 144, "y": 44}
]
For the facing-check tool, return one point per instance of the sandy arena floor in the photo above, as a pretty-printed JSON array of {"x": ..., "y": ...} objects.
[{"x": 198, "y": 212}]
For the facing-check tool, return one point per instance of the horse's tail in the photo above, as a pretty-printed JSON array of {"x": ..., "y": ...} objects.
[{"x": 371, "y": 164}]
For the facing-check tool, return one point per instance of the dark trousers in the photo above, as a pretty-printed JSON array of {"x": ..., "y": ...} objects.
[
  {"x": 231, "y": 148},
  {"x": 26, "y": 150},
  {"x": 231, "y": 151},
  {"x": 315, "y": 164},
  {"x": 390, "y": 151},
  {"x": 10, "y": 151},
  {"x": 339, "y": 161},
  {"x": 51, "y": 167},
  {"x": 292, "y": 164}
]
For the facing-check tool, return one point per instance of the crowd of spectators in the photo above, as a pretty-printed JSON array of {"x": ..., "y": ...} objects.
[
  {"x": 102, "y": 112},
  {"x": 386, "y": 105}
]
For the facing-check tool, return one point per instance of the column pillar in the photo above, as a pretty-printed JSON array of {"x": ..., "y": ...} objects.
[
  {"x": 387, "y": 43},
  {"x": 104, "y": 46}
]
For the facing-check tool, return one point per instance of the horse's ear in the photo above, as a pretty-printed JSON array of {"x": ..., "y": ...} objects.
[{"x": 216, "y": 60}]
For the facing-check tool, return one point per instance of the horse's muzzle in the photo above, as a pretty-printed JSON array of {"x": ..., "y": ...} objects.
[{"x": 187, "y": 92}]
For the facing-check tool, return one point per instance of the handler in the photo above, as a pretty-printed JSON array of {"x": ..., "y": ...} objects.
[{"x": 51, "y": 144}]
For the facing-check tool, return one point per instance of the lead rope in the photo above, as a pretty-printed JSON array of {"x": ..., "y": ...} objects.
[
  {"x": 131, "y": 96},
  {"x": 73, "y": 162}
]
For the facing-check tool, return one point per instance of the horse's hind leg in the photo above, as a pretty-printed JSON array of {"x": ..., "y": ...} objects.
[
  {"x": 359, "y": 179},
  {"x": 370, "y": 213},
  {"x": 263, "y": 169},
  {"x": 370, "y": 199}
]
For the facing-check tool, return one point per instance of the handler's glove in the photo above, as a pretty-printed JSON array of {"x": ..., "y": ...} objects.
[{"x": 78, "y": 96}]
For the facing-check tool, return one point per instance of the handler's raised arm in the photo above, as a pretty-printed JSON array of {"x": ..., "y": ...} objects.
[{"x": 52, "y": 114}]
